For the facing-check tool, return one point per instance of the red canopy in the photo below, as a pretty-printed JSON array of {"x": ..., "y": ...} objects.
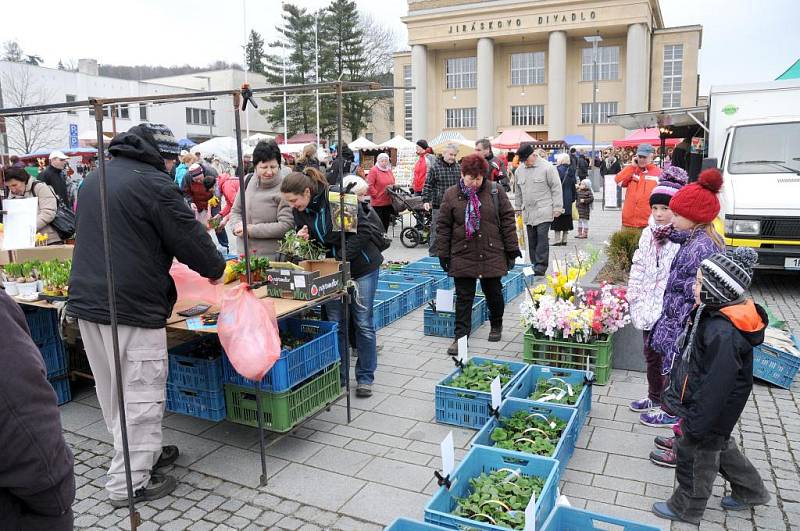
[
  {"x": 511, "y": 139},
  {"x": 645, "y": 136},
  {"x": 302, "y": 138}
]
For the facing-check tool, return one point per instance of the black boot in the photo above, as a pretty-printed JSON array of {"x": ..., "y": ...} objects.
[
  {"x": 496, "y": 333},
  {"x": 452, "y": 350}
]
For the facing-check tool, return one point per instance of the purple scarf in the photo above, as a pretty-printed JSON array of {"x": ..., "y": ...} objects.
[{"x": 472, "y": 214}]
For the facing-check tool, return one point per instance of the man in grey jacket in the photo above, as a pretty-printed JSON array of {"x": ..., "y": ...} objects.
[{"x": 540, "y": 191}]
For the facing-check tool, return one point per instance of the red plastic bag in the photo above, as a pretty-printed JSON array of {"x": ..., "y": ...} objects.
[
  {"x": 193, "y": 287},
  {"x": 248, "y": 331}
]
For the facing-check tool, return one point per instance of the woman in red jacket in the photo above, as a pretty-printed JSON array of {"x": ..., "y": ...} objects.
[
  {"x": 380, "y": 177},
  {"x": 423, "y": 164}
]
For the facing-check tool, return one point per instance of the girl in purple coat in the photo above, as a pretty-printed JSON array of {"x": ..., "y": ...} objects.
[{"x": 695, "y": 207}]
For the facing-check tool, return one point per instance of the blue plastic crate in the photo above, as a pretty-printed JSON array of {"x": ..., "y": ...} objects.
[
  {"x": 511, "y": 286},
  {"x": 61, "y": 387},
  {"x": 55, "y": 357},
  {"x": 388, "y": 307},
  {"x": 525, "y": 386},
  {"x": 427, "y": 260},
  {"x": 443, "y": 324},
  {"x": 295, "y": 365},
  {"x": 425, "y": 281},
  {"x": 413, "y": 294},
  {"x": 465, "y": 407},
  {"x": 479, "y": 460},
  {"x": 775, "y": 366},
  {"x": 424, "y": 266},
  {"x": 404, "y": 524},
  {"x": 43, "y": 324},
  {"x": 197, "y": 364},
  {"x": 565, "y": 518},
  {"x": 208, "y": 405},
  {"x": 566, "y": 443},
  {"x": 442, "y": 282}
]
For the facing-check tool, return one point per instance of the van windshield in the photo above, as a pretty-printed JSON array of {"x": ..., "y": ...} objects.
[{"x": 766, "y": 148}]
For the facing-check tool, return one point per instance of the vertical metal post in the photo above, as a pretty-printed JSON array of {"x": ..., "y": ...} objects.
[
  {"x": 237, "y": 99},
  {"x": 594, "y": 98},
  {"x": 316, "y": 69},
  {"x": 210, "y": 112},
  {"x": 135, "y": 520},
  {"x": 285, "y": 116},
  {"x": 346, "y": 300}
]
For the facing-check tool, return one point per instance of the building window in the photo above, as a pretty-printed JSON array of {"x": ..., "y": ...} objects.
[
  {"x": 369, "y": 136},
  {"x": 462, "y": 73},
  {"x": 604, "y": 110},
  {"x": 607, "y": 63},
  {"x": 527, "y": 68},
  {"x": 527, "y": 115},
  {"x": 143, "y": 112},
  {"x": 123, "y": 111},
  {"x": 407, "y": 106},
  {"x": 199, "y": 116},
  {"x": 70, "y": 98},
  {"x": 106, "y": 111},
  {"x": 462, "y": 118},
  {"x": 673, "y": 76}
]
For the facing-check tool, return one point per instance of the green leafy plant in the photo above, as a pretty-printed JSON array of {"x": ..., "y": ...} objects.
[
  {"x": 499, "y": 497},
  {"x": 293, "y": 245},
  {"x": 556, "y": 391},
  {"x": 531, "y": 433},
  {"x": 258, "y": 265},
  {"x": 621, "y": 247},
  {"x": 55, "y": 276},
  {"x": 478, "y": 377}
]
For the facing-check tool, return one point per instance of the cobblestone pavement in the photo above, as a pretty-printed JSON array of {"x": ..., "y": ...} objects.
[{"x": 328, "y": 474}]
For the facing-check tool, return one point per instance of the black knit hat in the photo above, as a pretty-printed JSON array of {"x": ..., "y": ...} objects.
[
  {"x": 422, "y": 143},
  {"x": 160, "y": 137},
  {"x": 727, "y": 276},
  {"x": 671, "y": 180},
  {"x": 524, "y": 151}
]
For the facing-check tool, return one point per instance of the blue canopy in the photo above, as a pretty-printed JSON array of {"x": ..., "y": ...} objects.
[
  {"x": 572, "y": 140},
  {"x": 185, "y": 143}
]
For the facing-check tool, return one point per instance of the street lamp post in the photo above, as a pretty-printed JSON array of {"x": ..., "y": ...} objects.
[
  {"x": 595, "y": 40},
  {"x": 210, "y": 109}
]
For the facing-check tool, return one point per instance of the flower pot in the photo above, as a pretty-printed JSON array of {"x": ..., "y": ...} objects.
[
  {"x": 11, "y": 287},
  {"x": 27, "y": 288}
]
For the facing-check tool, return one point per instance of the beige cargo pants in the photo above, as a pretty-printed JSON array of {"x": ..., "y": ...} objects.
[{"x": 143, "y": 361}]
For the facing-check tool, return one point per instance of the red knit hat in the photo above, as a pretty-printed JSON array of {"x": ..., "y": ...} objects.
[{"x": 698, "y": 201}]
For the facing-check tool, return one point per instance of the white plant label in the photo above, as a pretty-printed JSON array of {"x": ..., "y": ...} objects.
[
  {"x": 463, "y": 355},
  {"x": 444, "y": 300},
  {"x": 448, "y": 455},
  {"x": 530, "y": 515},
  {"x": 300, "y": 281},
  {"x": 527, "y": 271},
  {"x": 495, "y": 387}
]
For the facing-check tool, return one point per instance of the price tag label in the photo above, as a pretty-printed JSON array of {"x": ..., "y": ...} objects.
[
  {"x": 527, "y": 271},
  {"x": 300, "y": 281},
  {"x": 495, "y": 387},
  {"x": 530, "y": 515},
  {"x": 444, "y": 300},
  {"x": 463, "y": 355},
  {"x": 448, "y": 455}
]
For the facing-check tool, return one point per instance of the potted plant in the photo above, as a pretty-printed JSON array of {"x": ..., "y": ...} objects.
[
  {"x": 11, "y": 273},
  {"x": 294, "y": 249},
  {"x": 55, "y": 276},
  {"x": 27, "y": 282},
  {"x": 258, "y": 267}
]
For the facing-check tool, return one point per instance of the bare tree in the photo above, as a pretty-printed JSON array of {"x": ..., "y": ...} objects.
[
  {"x": 27, "y": 134},
  {"x": 12, "y": 52}
]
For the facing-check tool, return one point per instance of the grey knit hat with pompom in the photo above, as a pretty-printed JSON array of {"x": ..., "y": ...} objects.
[{"x": 726, "y": 276}]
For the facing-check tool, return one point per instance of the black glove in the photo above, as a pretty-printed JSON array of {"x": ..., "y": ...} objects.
[
  {"x": 444, "y": 262},
  {"x": 511, "y": 258}
]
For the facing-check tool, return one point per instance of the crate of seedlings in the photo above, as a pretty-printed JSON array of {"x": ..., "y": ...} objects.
[
  {"x": 443, "y": 324},
  {"x": 307, "y": 347},
  {"x": 561, "y": 387},
  {"x": 464, "y": 398},
  {"x": 564, "y": 518},
  {"x": 531, "y": 428},
  {"x": 197, "y": 364},
  {"x": 490, "y": 489}
]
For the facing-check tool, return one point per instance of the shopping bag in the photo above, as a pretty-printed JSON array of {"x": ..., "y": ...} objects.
[
  {"x": 575, "y": 215},
  {"x": 193, "y": 287},
  {"x": 248, "y": 331}
]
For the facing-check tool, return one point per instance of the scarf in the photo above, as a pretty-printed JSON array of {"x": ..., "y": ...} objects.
[
  {"x": 661, "y": 233},
  {"x": 472, "y": 214}
]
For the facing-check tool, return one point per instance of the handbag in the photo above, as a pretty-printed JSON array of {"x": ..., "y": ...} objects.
[
  {"x": 575, "y": 215},
  {"x": 64, "y": 222}
]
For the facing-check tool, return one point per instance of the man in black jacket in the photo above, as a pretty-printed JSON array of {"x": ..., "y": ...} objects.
[
  {"x": 445, "y": 173},
  {"x": 150, "y": 225},
  {"x": 37, "y": 485},
  {"x": 53, "y": 175},
  {"x": 497, "y": 168}
]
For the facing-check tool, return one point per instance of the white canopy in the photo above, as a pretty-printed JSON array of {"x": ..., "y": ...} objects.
[
  {"x": 258, "y": 137},
  {"x": 222, "y": 147},
  {"x": 449, "y": 136},
  {"x": 398, "y": 142},
  {"x": 361, "y": 144},
  {"x": 291, "y": 149}
]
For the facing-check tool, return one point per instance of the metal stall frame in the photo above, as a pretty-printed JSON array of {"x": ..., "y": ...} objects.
[{"x": 240, "y": 99}]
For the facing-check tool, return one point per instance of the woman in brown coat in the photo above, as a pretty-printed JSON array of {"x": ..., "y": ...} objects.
[{"x": 477, "y": 239}]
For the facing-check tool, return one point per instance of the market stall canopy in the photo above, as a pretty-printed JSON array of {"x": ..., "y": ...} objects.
[
  {"x": 222, "y": 147},
  {"x": 572, "y": 140},
  {"x": 258, "y": 137},
  {"x": 645, "y": 136},
  {"x": 793, "y": 72},
  {"x": 511, "y": 139},
  {"x": 684, "y": 117},
  {"x": 302, "y": 138},
  {"x": 291, "y": 149},
  {"x": 465, "y": 147},
  {"x": 362, "y": 144},
  {"x": 80, "y": 152},
  {"x": 448, "y": 136},
  {"x": 398, "y": 142},
  {"x": 185, "y": 143}
]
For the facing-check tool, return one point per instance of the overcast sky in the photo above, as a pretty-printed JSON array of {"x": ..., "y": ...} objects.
[{"x": 740, "y": 43}]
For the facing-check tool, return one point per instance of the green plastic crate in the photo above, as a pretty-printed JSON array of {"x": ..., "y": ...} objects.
[
  {"x": 570, "y": 355},
  {"x": 283, "y": 411}
]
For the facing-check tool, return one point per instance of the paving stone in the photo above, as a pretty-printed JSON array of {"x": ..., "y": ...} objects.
[
  {"x": 396, "y": 473},
  {"x": 288, "y": 507},
  {"x": 202, "y": 525},
  {"x": 314, "y": 486},
  {"x": 269, "y": 518},
  {"x": 623, "y": 485},
  {"x": 633, "y": 468},
  {"x": 210, "y": 502},
  {"x": 371, "y": 504},
  {"x": 194, "y": 514},
  {"x": 380, "y": 423},
  {"x": 290, "y": 523},
  {"x": 165, "y": 515},
  {"x": 86, "y": 520},
  {"x": 176, "y": 525},
  {"x": 218, "y": 516},
  {"x": 339, "y": 460},
  {"x": 249, "y": 512},
  {"x": 587, "y": 460},
  {"x": 589, "y": 492}
]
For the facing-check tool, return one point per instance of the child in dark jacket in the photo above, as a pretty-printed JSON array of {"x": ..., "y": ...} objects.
[
  {"x": 584, "y": 206},
  {"x": 710, "y": 386}
]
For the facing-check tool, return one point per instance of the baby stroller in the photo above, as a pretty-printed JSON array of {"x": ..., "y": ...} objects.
[{"x": 420, "y": 232}]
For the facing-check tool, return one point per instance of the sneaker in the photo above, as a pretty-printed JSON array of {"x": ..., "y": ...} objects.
[
  {"x": 662, "y": 510},
  {"x": 364, "y": 390},
  {"x": 495, "y": 334},
  {"x": 729, "y": 503},
  {"x": 664, "y": 443},
  {"x": 158, "y": 487},
  {"x": 645, "y": 404},
  {"x": 665, "y": 458},
  {"x": 658, "y": 419},
  {"x": 169, "y": 454}
]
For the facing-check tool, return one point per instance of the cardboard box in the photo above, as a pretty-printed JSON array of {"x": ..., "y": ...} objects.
[
  {"x": 318, "y": 278},
  {"x": 62, "y": 252}
]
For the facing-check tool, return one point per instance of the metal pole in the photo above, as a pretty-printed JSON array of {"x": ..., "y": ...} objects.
[
  {"x": 285, "y": 117},
  {"x": 594, "y": 98},
  {"x": 135, "y": 520},
  {"x": 237, "y": 98},
  {"x": 346, "y": 301},
  {"x": 244, "y": 33},
  {"x": 316, "y": 68},
  {"x": 210, "y": 112}
]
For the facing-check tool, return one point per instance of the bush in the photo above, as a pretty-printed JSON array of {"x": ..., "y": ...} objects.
[{"x": 621, "y": 247}]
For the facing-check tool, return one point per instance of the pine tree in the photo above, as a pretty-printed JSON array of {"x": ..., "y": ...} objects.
[
  {"x": 61, "y": 65},
  {"x": 254, "y": 52},
  {"x": 12, "y": 52}
]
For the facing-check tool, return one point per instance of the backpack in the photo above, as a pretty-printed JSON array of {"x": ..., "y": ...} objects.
[
  {"x": 375, "y": 228},
  {"x": 333, "y": 172}
]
